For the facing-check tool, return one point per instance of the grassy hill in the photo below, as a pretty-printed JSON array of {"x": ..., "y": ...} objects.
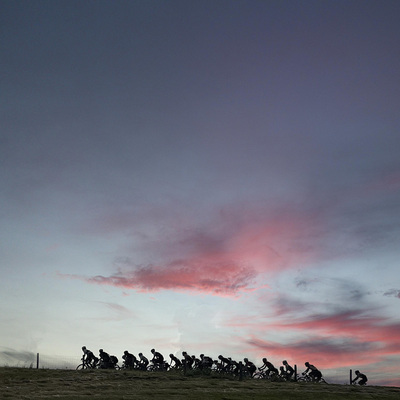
[{"x": 23, "y": 383}]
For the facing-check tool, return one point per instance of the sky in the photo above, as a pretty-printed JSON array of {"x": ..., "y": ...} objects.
[{"x": 217, "y": 177}]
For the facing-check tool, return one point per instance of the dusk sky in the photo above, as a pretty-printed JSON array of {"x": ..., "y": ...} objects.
[{"x": 214, "y": 176}]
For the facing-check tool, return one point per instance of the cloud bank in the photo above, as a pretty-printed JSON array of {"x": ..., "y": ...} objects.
[
  {"x": 217, "y": 278},
  {"x": 234, "y": 252}
]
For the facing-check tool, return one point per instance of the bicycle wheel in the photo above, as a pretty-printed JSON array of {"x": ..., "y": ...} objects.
[
  {"x": 302, "y": 379},
  {"x": 258, "y": 375},
  {"x": 80, "y": 367}
]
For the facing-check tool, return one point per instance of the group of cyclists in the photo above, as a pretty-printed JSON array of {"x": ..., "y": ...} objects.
[{"x": 203, "y": 363}]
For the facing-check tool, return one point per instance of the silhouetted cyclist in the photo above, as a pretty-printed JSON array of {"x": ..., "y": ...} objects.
[
  {"x": 288, "y": 370},
  {"x": 236, "y": 367},
  {"x": 129, "y": 359},
  {"x": 158, "y": 359},
  {"x": 268, "y": 367},
  {"x": 226, "y": 363},
  {"x": 105, "y": 361},
  {"x": 205, "y": 362},
  {"x": 113, "y": 361},
  {"x": 362, "y": 378},
  {"x": 249, "y": 366},
  {"x": 175, "y": 362},
  {"x": 196, "y": 362},
  {"x": 187, "y": 360},
  {"x": 313, "y": 372},
  {"x": 143, "y": 362},
  {"x": 88, "y": 357}
]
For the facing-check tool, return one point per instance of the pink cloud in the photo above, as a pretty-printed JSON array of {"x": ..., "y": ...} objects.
[
  {"x": 323, "y": 352},
  {"x": 218, "y": 278},
  {"x": 225, "y": 262},
  {"x": 343, "y": 339},
  {"x": 273, "y": 245},
  {"x": 351, "y": 324}
]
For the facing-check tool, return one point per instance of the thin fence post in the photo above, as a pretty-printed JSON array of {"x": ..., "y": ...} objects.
[
  {"x": 37, "y": 360},
  {"x": 351, "y": 376},
  {"x": 295, "y": 372}
]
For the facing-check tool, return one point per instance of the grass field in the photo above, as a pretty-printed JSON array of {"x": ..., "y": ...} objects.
[{"x": 24, "y": 383}]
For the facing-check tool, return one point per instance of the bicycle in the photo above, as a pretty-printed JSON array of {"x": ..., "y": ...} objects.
[
  {"x": 152, "y": 367},
  {"x": 87, "y": 365},
  {"x": 270, "y": 376},
  {"x": 309, "y": 379},
  {"x": 133, "y": 366},
  {"x": 357, "y": 383}
]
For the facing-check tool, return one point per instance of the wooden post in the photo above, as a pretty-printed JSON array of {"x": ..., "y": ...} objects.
[
  {"x": 295, "y": 372},
  {"x": 351, "y": 376},
  {"x": 37, "y": 360}
]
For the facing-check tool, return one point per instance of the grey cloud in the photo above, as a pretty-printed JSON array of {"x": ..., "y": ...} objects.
[{"x": 393, "y": 293}]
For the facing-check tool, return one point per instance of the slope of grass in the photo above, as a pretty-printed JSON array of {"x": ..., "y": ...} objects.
[{"x": 20, "y": 383}]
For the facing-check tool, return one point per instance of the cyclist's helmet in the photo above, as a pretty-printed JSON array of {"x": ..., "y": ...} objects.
[
  {"x": 357, "y": 372},
  {"x": 306, "y": 363}
]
